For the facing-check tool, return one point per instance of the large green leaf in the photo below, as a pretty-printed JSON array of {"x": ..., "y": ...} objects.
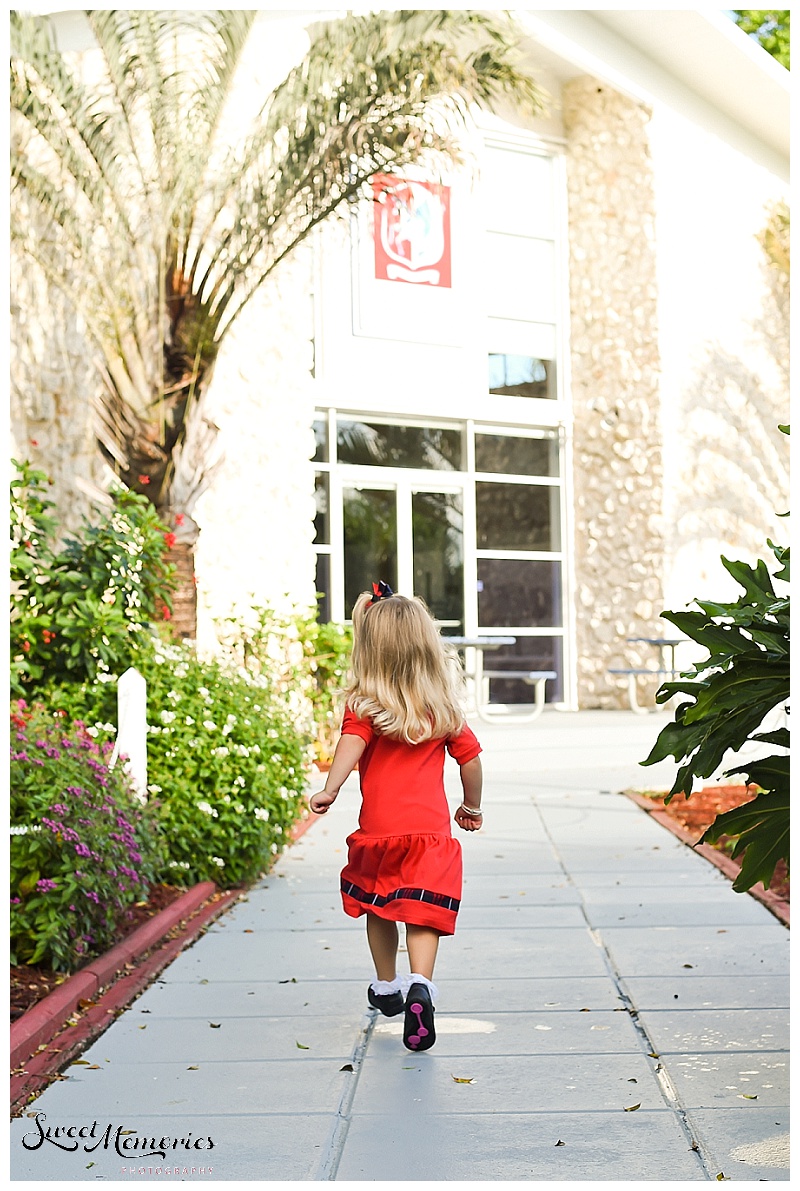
[{"x": 763, "y": 830}]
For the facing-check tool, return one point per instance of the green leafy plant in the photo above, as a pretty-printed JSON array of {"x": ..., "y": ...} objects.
[
  {"x": 226, "y": 761},
  {"x": 306, "y": 661},
  {"x": 743, "y": 679},
  {"x": 83, "y": 849},
  {"x": 85, "y": 608}
]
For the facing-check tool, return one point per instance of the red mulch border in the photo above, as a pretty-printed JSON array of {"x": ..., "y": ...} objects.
[
  {"x": 57, "y": 1028},
  {"x": 731, "y": 868}
]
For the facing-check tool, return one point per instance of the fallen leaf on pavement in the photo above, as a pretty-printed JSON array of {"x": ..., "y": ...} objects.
[
  {"x": 215, "y": 1025},
  {"x": 300, "y": 1046},
  {"x": 192, "y": 1068},
  {"x": 561, "y": 1143},
  {"x": 347, "y": 1067},
  {"x": 632, "y": 1107},
  {"x": 744, "y": 1096},
  {"x": 461, "y": 1079}
]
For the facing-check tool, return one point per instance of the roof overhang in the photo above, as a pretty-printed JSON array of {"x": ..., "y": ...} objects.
[{"x": 698, "y": 63}]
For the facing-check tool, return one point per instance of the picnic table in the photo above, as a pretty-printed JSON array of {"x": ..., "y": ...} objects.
[
  {"x": 481, "y": 678},
  {"x": 665, "y": 671}
]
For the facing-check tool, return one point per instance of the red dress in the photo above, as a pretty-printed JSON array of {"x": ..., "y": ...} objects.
[{"x": 403, "y": 862}]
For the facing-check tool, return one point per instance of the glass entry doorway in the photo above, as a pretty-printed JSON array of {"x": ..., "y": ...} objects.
[{"x": 410, "y": 534}]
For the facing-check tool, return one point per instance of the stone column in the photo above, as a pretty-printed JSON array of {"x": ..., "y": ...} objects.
[{"x": 615, "y": 386}]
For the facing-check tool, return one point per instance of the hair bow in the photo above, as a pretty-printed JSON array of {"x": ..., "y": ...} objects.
[{"x": 381, "y": 591}]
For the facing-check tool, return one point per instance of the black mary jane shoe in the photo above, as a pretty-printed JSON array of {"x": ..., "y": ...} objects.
[
  {"x": 418, "y": 1030},
  {"x": 389, "y": 1004}
]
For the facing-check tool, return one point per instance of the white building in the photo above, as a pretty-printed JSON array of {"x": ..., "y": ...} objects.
[{"x": 517, "y": 410}]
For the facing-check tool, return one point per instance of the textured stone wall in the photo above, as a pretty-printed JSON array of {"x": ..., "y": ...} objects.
[
  {"x": 49, "y": 366},
  {"x": 617, "y": 465}
]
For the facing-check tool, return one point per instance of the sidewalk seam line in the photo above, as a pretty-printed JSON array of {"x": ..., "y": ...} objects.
[
  {"x": 328, "y": 1164},
  {"x": 666, "y": 1087}
]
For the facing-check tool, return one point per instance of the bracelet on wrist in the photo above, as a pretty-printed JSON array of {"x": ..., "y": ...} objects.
[{"x": 471, "y": 810}]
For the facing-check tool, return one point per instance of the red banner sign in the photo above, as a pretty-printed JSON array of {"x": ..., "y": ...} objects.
[{"x": 412, "y": 231}]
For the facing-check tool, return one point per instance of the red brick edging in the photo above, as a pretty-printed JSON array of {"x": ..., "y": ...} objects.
[{"x": 777, "y": 905}]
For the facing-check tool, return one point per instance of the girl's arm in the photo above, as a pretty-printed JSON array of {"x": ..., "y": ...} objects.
[
  {"x": 346, "y": 757},
  {"x": 472, "y": 785}
]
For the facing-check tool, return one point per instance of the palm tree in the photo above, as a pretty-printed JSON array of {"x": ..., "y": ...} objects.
[{"x": 133, "y": 203}]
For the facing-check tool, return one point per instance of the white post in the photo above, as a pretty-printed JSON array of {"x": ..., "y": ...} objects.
[{"x": 132, "y": 728}]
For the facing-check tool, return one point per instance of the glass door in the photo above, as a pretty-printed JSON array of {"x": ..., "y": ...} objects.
[
  {"x": 437, "y": 533},
  {"x": 410, "y": 534}
]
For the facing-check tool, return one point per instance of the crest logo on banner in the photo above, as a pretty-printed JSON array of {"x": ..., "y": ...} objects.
[{"x": 412, "y": 231}]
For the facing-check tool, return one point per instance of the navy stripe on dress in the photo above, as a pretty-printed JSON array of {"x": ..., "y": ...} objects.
[{"x": 409, "y": 894}]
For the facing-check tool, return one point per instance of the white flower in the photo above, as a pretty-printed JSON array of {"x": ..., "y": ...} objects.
[
  {"x": 167, "y": 717},
  {"x": 227, "y": 798},
  {"x": 222, "y": 751},
  {"x": 273, "y": 848},
  {"x": 254, "y": 748},
  {"x": 209, "y": 725},
  {"x": 23, "y": 830},
  {"x": 174, "y": 696},
  {"x": 204, "y": 691},
  {"x": 207, "y": 809},
  {"x": 238, "y": 781},
  {"x": 231, "y": 719},
  {"x": 91, "y": 731},
  {"x": 275, "y": 757},
  {"x": 242, "y": 750},
  {"x": 188, "y": 721},
  {"x": 154, "y": 729},
  {"x": 237, "y": 806},
  {"x": 260, "y": 813},
  {"x": 154, "y": 789},
  {"x": 218, "y": 861}
]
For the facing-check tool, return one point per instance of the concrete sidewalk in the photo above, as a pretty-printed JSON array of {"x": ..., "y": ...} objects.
[{"x": 620, "y": 1012}]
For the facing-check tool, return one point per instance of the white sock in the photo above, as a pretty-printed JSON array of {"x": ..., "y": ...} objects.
[
  {"x": 415, "y": 978},
  {"x": 382, "y": 987}
]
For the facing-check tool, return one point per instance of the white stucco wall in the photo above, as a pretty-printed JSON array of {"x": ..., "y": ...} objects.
[
  {"x": 256, "y": 520},
  {"x": 722, "y": 391}
]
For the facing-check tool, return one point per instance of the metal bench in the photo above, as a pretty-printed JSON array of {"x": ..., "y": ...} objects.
[
  {"x": 633, "y": 673},
  {"x": 534, "y": 678}
]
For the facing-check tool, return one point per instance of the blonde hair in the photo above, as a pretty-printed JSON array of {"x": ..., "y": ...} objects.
[{"x": 405, "y": 677}]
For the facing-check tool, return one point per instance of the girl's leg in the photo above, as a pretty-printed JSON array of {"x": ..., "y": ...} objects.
[
  {"x": 382, "y": 939},
  {"x": 423, "y": 944}
]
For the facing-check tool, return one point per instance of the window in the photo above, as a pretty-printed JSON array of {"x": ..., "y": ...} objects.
[
  {"x": 522, "y": 376},
  {"x": 522, "y": 456},
  {"x": 374, "y": 444}
]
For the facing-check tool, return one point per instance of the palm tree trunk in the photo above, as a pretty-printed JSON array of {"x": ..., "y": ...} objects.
[{"x": 183, "y": 619}]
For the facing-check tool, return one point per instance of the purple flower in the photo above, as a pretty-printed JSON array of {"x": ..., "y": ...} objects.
[
  {"x": 19, "y": 757},
  {"x": 72, "y": 908},
  {"x": 59, "y": 809},
  {"x": 45, "y": 885},
  {"x": 41, "y": 744},
  {"x": 90, "y": 893},
  {"x": 53, "y": 752},
  {"x": 16, "y": 901},
  {"x": 82, "y": 850}
]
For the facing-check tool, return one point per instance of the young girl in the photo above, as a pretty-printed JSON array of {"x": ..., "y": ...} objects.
[{"x": 402, "y": 713}]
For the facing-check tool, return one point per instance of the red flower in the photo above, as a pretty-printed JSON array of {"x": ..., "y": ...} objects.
[
  {"x": 143, "y": 479},
  {"x": 165, "y": 613},
  {"x": 26, "y": 646},
  {"x": 179, "y": 518},
  {"x": 170, "y": 540}
]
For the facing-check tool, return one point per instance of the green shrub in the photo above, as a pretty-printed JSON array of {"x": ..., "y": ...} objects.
[
  {"x": 83, "y": 849},
  {"x": 305, "y": 660},
  {"x": 226, "y": 762},
  {"x": 83, "y": 609},
  {"x": 743, "y": 679}
]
